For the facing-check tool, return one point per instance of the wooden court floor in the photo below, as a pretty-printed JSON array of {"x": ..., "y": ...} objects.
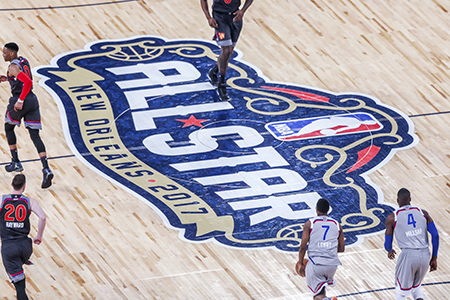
[{"x": 103, "y": 243}]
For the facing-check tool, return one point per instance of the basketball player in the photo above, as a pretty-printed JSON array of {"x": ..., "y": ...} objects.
[
  {"x": 227, "y": 21},
  {"x": 326, "y": 239},
  {"x": 17, "y": 247},
  {"x": 410, "y": 225},
  {"x": 23, "y": 104}
]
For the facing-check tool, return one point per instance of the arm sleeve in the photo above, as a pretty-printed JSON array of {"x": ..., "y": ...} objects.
[
  {"x": 27, "y": 84},
  {"x": 434, "y": 237},
  {"x": 388, "y": 242}
]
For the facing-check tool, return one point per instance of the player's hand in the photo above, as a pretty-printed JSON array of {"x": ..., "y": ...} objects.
[
  {"x": 213, "y": 23},
  {"x": 3, "y": 78},
  {"x": 300, "y": 269},
  {"x": 37, "y": 240},
  {"x": 433, "y": 264},
  {"x": 18, "y": 106},
  {"x": 391, "y": 255},
  {"x": 238, "y": 15}
]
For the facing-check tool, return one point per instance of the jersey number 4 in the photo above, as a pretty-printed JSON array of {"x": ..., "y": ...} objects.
[
  {"x": 15, "y": 214},
  {"x": 411, "y": 220}
]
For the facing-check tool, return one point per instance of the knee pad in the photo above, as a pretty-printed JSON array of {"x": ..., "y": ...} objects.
[
  {"x": 37, "y": 141},
  {"x": 10, "y": 135}
]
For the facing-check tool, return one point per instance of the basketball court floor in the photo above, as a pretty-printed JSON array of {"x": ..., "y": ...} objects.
[{"x": 161, "y": 191}]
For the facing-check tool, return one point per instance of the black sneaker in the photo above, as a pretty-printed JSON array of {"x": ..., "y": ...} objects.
[
  {"x": 222, "y": 92},
  {"x": 213, "y": 77},
  {"x": 48, "y": 176},
  {"x": 14, "y": 166}
]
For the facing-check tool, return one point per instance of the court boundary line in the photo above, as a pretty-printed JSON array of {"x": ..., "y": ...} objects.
[
  {"x": 389, "y": 288},
  {"x": 430, "y": 114},
  {"x": 67, "y": 6},
  {"x": 86, "y": 154}
]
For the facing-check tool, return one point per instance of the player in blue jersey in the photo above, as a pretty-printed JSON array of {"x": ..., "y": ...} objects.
[
  {"x": 17, "y": 247},
  {"x": 23, "y": 104},
  {"x": 324, "y": 237},
  {"x": 227, "y": 21},
  {"x": 411, "y": 225}
]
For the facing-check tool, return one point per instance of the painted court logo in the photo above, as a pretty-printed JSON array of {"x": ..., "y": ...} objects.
[{"x": 244, "y": 173}]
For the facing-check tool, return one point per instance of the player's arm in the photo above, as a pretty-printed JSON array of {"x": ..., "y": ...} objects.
[
  {"x": 35, "y": 208},
  {"x": 211, "y": 21},
  {"x": 389, "y": 236},
  {"x": 434, "y": 240},
  {"x": 341, "y": 240},
  {"x": 239, "y": 14},
  {"x": 15, "y": 71},
  {"x": 302, "y": 250}
]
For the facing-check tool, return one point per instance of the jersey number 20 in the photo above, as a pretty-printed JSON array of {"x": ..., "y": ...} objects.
[{"x": 20, "y": 213}]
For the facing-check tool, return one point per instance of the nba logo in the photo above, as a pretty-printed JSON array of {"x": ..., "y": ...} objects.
[{"x": 292, "y": 130}]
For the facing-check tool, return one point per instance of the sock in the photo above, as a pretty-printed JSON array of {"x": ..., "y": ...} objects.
[
  {"x": 20, "y": 290},
  {"x": 222, "y": 79},
  {"x": 44, "y": 162},
  {"x": 15, "y": 155}
]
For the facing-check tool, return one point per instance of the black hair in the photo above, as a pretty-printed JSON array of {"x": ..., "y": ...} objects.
[
  {"x": 18, "y": 181},
  {"x": 403, "y": 194},
  {"x": 12, "y": 46},
  {"x": 323, "y": 205}
]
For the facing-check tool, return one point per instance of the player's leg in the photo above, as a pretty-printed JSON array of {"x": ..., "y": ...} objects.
[
  {"x": 15, "y": 164},
  {"x": 403, "y": 275},
  {"x": 227, "y": 51},
  {"x": 417, "y": 293},
  {"x": 12, "y": 118},
  {"x": 222, "y": 62},
  {"x": 25, "y": 248},
  {"x": 421, "y": 264},
  {"x": 40, "y": 147},
  {"x": 13, "y": 265},
  {"x": 32, "y": 120},
  {"x": 21, "y": 290},
  {"x": 223, "y": 39},
  {"x": 317, "y": 280},
  {"x": 328, "y": 273}
]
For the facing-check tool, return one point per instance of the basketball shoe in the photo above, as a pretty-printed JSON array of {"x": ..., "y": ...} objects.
[
  {"x": 222, "y": 92},
  {"x": 14, "y": 166},
  {"x": 212, "y": 75},
  {"x": 48, "y": 176}
]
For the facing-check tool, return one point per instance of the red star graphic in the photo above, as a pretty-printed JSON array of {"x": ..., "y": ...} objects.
[{"x": 192, "y": 121}]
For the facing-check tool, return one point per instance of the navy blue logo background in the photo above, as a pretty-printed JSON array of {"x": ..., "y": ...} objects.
[{"x": 246, "y": 173}]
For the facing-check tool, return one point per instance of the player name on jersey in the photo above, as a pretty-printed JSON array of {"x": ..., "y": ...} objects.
[
  {"x": 245, "y": 173},
  {"x": 14, "y": 225}
]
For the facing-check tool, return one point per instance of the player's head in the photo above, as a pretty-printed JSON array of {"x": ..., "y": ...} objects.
[
  {"x": 322, "y": 206},
  {"x": 18, "y": 182},
  {"x": 403, "y": 197},
  {"x": 10, "y": 51}
]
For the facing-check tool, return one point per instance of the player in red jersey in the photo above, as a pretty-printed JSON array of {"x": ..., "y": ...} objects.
[
  {"x": 17, "y": 247},
  {"x": 23, "y": 104}
]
